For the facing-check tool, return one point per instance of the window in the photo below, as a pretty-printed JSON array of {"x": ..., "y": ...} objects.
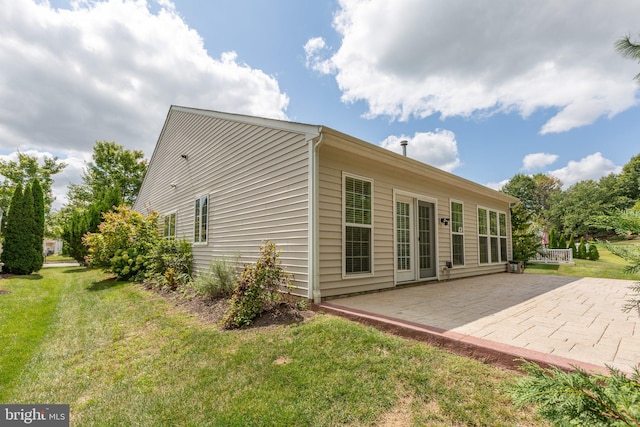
[
  {"x": 358, "y": 218},
  {"x": 457, "y": 233},
  {"x": 200, "y": 223},
  {"x": 170, "y": 226},
  {"x": 492, "y": 236}
]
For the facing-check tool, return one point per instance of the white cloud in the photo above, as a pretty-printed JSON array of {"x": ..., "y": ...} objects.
[
  {"x": 594, "y": 167},
  {"x": 439, "y": 148},
  {"x": 110, "y": 70},
  {"x": 418, "y": 58},
  {"x": 497, "y": 185},
  {"x": 538, "y": 161},
  {"x": 314, "y": 50}
]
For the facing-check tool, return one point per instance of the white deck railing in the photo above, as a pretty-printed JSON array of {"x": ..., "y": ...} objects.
[{"x": 553, "y": 256}]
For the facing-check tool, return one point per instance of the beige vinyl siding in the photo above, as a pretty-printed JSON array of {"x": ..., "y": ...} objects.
[
  {"x": 256, "y": 178},
  {"x": 334, "y": 161}
]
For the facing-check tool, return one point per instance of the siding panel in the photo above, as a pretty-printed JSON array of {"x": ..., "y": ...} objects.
[{"x": 256, "y": 178}]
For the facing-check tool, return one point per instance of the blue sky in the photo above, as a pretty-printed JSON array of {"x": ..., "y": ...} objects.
[{"x": 484, "y": 90}]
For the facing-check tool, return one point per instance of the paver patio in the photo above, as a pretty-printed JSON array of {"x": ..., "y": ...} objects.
[{"x": 574, "y": 318}]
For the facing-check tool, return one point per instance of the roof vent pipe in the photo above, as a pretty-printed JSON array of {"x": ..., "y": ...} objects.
[{"x": 404, "y": 143}]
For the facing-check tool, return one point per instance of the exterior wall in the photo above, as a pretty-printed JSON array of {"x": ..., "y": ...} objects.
[
  {"x": 256, "y": 178},
  {"x": 336, "y": 159}
]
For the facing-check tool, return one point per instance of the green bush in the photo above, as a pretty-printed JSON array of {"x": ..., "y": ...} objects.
[
  {"x": 258, "y": 288},
  {"x": 169, "y": 263},
  {"x": 218, "y": 281},
  {"x": 593, "y": 253},
  {"x": 123, "y": 243},
  {"x": 572, "y": 246},
  {"x": 580, "y": 399},
  {"x": 582, "y": 249}
]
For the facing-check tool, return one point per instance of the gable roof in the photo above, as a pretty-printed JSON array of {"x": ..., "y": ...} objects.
[{"x": 346, "y": 142}]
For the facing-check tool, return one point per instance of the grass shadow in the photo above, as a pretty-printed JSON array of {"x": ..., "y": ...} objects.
[
  {"x": 548, "y": 267},
  {"x": 105, "y": 284}
]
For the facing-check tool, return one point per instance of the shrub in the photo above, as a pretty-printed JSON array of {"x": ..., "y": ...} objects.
[
  {"x": 525, "y": 241},
  {"x": 572, "y": 246},
  {"x": 593, "y": 253},
  {"x": 169, "y": 263},
  {"x": 582, "y": 249},
  {"x": 258, "y": 288},
  {"x": 218, "y": 281},
  {"x": 124, "y": 240},
  {"x": 552, "y": 239},
  {"x": 18, "y": 253},
  {"x": 579, "y": 398}
]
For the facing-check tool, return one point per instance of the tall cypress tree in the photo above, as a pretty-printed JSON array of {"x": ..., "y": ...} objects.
[
  {"x": 18, "y": 251},
  {"x": 38, "y": 213},
  {"x": 11, "y": 235}
]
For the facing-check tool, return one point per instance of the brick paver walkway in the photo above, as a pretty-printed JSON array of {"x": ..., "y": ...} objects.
[{"x": 576, "y": 318}]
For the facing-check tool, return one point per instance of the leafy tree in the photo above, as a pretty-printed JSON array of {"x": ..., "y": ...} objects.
[
  {"x": 24, "y": 171},
  {"x": 38, "y": 229},
  {"x": 112, "y": 166},
  {"x": 535, "y": 193},
  {"x": 525, "y": 241},
  {"x": 123, "y": 242},
  {"x": 572, "y": 210},
  {"x": 86, "y": 220},
  {"x": 629, "y": 181},
  {"x": 623, "y": 222},
  {"x": 18, "y": 253}
]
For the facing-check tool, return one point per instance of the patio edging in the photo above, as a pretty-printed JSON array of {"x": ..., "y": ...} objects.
[{"x": 494, "y": 353}]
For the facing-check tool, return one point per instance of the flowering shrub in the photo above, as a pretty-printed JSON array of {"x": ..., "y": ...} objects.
[
  {"x": 169, "y": 263},
  {"x": 124, "y": 240},
  {"x": 258, "y": 288}
]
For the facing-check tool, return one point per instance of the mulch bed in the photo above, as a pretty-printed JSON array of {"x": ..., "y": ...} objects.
[{"x": 212, "y": 310}]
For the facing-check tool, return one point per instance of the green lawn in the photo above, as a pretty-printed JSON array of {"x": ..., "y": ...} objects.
[
  {"x": 609, "y": 266},
  {"x": 123, "y": 356}
]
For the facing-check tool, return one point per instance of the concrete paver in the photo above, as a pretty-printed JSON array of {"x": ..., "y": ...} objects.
[{"x": 571, "y": 317}]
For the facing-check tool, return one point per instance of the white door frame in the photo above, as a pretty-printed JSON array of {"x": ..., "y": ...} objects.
[{"x": 413, "y": 274}]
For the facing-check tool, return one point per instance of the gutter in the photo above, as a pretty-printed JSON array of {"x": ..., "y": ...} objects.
[{"x": 314, "y": 237}]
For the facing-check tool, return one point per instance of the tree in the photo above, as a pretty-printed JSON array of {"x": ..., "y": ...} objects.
[
  {"x": 630, "y": 50},
  {"x": 572, "y": 246},
  {"x": 86, "y": 220},
  {"x": 24, "y": 171},
  {"x": 38, "y": 228},
  {"x": 18, "y": 254},
  {"x": 525, "y": 241},
  {"x": 629, "y": 181},
  {"x": 582, "y": 249},
  {"x": 112, "y": 166},
  {"x": 535, "y": 194}
]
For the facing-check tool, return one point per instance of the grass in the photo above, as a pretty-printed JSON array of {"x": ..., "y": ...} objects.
[
  {"x": 59, "y": 258},
  {"x": 120, "y": 355},
  {"x": 609, "y": 266}
]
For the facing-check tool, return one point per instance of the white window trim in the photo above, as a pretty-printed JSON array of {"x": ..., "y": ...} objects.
[
  {"x": 458, "y": 233},
  {"x": 371, "y": 226},
  {"x": 488, "y": 235},
  {"x": 175, "y": 226},
  {"x": 201, "y": 197}
]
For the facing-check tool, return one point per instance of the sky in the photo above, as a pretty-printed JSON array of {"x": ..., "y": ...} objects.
[{"x": 483, "y": 89}]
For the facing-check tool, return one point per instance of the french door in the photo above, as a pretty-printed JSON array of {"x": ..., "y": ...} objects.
[{"x": 414, "y": 239}]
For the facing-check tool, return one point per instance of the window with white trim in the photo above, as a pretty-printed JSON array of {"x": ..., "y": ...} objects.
[
  {"x": 358, "y": 220},
  {"x": 200, "y": 222},
  {"x": 492, "y": 236},
  {"x": 457, "y": 233},
  {"x": 169, "y": 226}
]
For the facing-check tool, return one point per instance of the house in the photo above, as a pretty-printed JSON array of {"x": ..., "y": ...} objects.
[{"x": 348, "y": 216}]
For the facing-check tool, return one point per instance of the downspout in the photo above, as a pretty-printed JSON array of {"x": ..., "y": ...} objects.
[{"x": 314, "y": 236}]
